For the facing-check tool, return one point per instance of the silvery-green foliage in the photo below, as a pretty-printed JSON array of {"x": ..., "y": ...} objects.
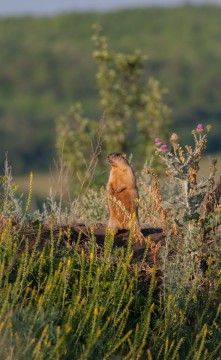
[
  {"x": 182, "y": 165},
  {"x": 91, "y": 207},
  {"x": 10, "y": 202},
  {"x": 55, "y": 211},
  {"x": 193, "y": 205},
  {"x": 173, "y": 198}
]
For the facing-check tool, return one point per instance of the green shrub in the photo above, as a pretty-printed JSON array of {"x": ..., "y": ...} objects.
[{"x": 134, "y": 112}]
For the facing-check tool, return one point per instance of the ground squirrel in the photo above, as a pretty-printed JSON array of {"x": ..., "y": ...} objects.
[{"x": 121, "y": 188}]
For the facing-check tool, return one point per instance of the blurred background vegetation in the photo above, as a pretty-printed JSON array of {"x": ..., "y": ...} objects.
[{"x": 47, "y": 65}]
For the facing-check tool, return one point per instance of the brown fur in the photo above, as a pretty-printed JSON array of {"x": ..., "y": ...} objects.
[{"x": 121, "y": 187}]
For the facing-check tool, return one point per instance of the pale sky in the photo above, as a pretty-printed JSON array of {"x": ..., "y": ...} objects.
[{"x": 50, "y": 7}]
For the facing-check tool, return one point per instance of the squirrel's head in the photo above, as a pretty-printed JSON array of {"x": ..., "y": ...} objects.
[{"x": 117, "y": 159}]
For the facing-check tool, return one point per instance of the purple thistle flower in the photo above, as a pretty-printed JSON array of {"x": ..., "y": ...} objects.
[
  {"x": 158, "y": 141},
  {"x": 200, "y": 128},
  {"x": 164, "y": 148}
]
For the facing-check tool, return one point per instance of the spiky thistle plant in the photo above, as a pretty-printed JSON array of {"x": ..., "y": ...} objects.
[
  {"x": 193, "y": 204},
  {"x": 183, "y": 165}
]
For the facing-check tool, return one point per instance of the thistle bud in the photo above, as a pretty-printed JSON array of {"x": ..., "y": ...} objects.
[
  {"x": 208, "y": 128},
  {"x": 174, "y": 137}
]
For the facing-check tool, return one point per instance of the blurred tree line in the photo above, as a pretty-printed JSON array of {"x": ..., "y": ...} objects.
[{"x": 46, "y": 66}]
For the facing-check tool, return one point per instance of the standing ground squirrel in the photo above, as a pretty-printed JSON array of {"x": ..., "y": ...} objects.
[{"x": 122, "y": 193}]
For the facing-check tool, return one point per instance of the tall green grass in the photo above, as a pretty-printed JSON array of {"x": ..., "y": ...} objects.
[{"x": 76, "y": 303}]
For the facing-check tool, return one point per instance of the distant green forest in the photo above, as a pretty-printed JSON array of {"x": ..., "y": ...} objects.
[{"x": 46, "y": 65}]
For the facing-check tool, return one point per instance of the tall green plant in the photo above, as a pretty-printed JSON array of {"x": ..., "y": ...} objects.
[
  {"x": 134, "y": 111},
  {"x": 134, "y": 106}
]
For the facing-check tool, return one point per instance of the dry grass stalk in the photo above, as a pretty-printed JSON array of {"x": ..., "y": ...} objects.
[
  {"x": 154, "y": 208},
  {"x": 155, "y": 249},
  {"x": 96, "y": 147},
  {"x": 122, "y": 211},
  {"x": 213, "y": 198}
]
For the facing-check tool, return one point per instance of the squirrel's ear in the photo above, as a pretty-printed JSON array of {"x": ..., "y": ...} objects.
[{"x": 124, "y": 156}]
